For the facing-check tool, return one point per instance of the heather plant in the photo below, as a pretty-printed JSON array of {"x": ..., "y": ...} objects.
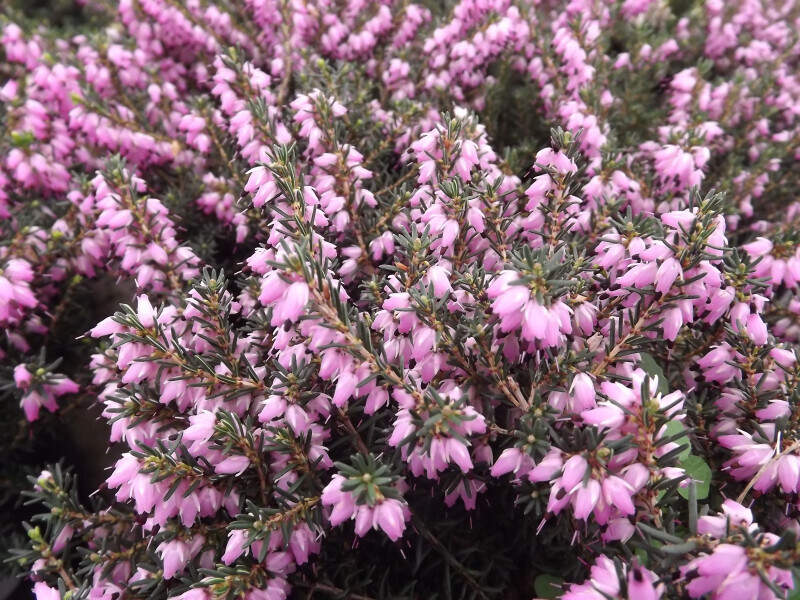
[{"x": 381, "y": 300}]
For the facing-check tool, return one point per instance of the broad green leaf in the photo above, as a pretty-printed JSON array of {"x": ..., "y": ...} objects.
[
  {"x": 697, "y": 469},
  {"x": 795, "y": 593},
  {"x": 652, "y": 368},
  {"x": 641, "y": 554},
  {"x": 675, "y": 427}
]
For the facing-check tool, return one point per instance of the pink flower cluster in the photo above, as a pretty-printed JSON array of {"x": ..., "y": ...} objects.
[
  {"x": 40, "y": 389},
  {"x": 731, "y": 570},
  {"x": 389, "y": 514}
]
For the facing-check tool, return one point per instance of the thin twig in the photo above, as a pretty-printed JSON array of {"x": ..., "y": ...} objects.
[
  {"x": 462, "y": 570},
  {"x": 355, "y": 436}
]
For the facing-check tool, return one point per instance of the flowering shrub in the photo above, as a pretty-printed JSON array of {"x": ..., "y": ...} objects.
[{"x": 479, "y": 299}]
